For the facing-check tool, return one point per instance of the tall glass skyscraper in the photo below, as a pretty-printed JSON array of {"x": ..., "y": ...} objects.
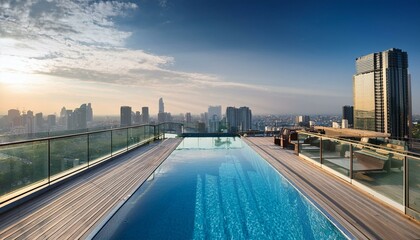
[
  {"x": 238, "y": 119},
  {"x": 161, "y": 106},
  {"x": 381, "y": 93},
  {"x": 125, "y": 116}
]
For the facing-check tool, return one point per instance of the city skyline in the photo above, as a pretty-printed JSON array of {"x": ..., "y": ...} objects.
[{"x": 278, "y": 57}]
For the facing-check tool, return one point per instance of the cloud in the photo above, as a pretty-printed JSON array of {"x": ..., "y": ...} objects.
[{"x": 81, "y": 39}]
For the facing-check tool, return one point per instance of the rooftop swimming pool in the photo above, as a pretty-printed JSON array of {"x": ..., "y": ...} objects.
[{"x": 217, "y": 188}]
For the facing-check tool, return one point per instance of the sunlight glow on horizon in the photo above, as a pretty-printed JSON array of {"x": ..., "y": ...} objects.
[{"x": 98, "y": 52}]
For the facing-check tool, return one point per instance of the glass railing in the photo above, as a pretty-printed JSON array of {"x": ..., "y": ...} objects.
[
  {"x": 31, "y": 164},
  {"x": 309, "y": 146},
  {"x": 391, "y": 175}
]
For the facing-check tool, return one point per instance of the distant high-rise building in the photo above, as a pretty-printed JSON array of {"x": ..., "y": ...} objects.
[
  {"x": 214, "y": 114},
  {"x": 30, "y": 122},
  {"x": 63, "y": 117},
  {"x": 89, "y": 113},
  {"x": 14, "y": 117},
  {"x": 137, "y": 118},
  {"x": 232, "y": 119},
  {"x": 344, "y": 123},
  {"x": 381, "y": 93},
  {"x": 215, "y": 111},
  {"x": 125, "y": 116},
  {"x": 188, "y": 117},
  {"x": 145, "y": 114},
  {"x": 39, "y": 122},
  {"x": 81, "y": 117},
  {"x": 161, "y": 106},
  {"x": 245, "y": 118},
  {"x": 213, "y": 124},
  {"x": 69, "y": 120},
  {"x": 238, "y": 119},
  {"x": 303, "y": 121},
  {"x": 51, "y": 121},
  {"x": 348, "y": 115}
]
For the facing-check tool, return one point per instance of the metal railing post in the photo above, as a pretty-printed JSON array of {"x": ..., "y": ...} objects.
[
  {"x": 88, "y": 150},
  {"x": 49, "y": 161},
  {"x": 320, "y": 151},
  {"x": 127, "y": 141},
  {"x": 298, "y": 145},
  {"x": 111, "y": 142},
  {"x": 351, "y": 161},
  {"x": 406, "y": 190}
]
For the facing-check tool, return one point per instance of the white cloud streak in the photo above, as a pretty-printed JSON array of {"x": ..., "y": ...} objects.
[{"x": 80, "y": 39}]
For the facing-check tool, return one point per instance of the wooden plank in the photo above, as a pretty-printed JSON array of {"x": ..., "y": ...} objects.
[{"x": 360, "y": 213}]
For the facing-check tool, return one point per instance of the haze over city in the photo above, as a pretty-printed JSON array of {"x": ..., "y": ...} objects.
[{"x": 276, "y": 57}]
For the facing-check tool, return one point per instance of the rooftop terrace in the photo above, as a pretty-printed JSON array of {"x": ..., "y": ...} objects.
[{"x": 78, "y": 206}]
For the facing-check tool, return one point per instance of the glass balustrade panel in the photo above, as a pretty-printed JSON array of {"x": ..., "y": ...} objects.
[
  {"x": 99, "y": 146},
  {"x": 119, "y": 141},
  {"x": 309, "y": 146},
  {"x": 380, "y": 170},
  {"x": 414, "y": 183},
  {"x": 336, "y": 155},
  {"x": 68, "y": 155},
  {"x": 22, "y": 167}
]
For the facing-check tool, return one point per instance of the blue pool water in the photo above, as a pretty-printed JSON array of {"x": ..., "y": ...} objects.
[{"x": 217, "y": 188}]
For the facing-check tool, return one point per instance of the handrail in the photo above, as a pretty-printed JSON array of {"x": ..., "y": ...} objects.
[
  {"x": 149, "y": 133},
  {"x": 83, "y": 133},
  {"x": 388, "y": 167},
  {"x": 404, "y": 152}
]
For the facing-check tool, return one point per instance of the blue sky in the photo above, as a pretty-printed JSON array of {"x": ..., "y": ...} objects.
[{"x": 275, "y": 56}]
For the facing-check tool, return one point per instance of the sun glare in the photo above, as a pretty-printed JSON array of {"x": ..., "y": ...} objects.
[{"x": 16, "y": 82}]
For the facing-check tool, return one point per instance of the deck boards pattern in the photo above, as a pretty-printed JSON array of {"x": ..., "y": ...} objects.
[
  {"x": 71, "y": 210},
  {"x": 361, "y": 214}
]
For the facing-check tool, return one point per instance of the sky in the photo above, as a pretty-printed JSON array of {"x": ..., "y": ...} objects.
[{"x": 277, "y": 57}]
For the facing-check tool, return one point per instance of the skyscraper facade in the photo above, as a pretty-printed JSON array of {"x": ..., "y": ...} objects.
[
  {"x": 81, "y": 116},
  {"x": 125, "y": 116},
  {"x": 348, "y": 115},
  {"x": 238, "y": 119},
  {"x": 89, "y": 113},
  {"x": 214, "y": 114},
  {"x": 232, "y": 119},
  {"x": 145, "y": 114},
  {"x": 161, "y": 106},
  {"x": 39, "y": 122},
  {"x": 381, "y": 93},
  {"x": 188, "y": 117}
]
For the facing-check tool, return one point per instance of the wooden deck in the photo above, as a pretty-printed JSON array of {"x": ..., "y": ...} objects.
[
  {"x": 362, "y": 215},
  {"x": 73, "y": 209}
]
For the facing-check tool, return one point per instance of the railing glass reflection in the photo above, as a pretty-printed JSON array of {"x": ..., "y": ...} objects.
[
  {"x": 22, "y": 165},
  {"x": 414, "y": 183},
  {"x": 309, "y": 146},
  {"x": 99, "y": 146},
  {"x": 67, "y": 154},
  {"x": 336, "y": 155},
  {"x": 30, "y": 164},
  {"x": 379, "y": 170}
]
